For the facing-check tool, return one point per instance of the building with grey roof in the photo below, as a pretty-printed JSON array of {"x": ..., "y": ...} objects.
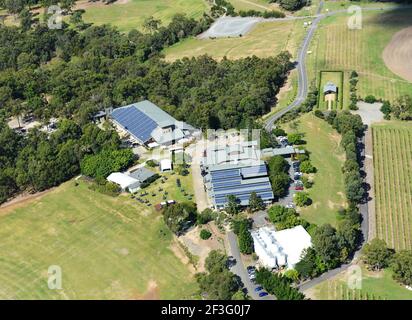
[
  {"x": 235, "y": 170},
  {"x": 330, "y": 88},
  {"x": 147, "y": 124}
]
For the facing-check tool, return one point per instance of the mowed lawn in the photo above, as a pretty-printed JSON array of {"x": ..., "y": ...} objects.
[
  {"x": 392, "y": 152},
  {"x": 130, "y": 14},
  {"x": 336, "y": 47},
  {"x": 107, "y": 248},
  {"x": 374, "y": 286},
  {"x": 264, "y": 40},
  {"x": 327, "y": 156}
]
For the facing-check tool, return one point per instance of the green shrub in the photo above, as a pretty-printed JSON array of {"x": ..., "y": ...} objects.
[
  {"x": 370, "y": 99},
  {"x": 302, "y": 199},
  {"x": 152, "y": 163},
  {"x": 319, "y": 114},
  {"x": 205, "y": 234}
]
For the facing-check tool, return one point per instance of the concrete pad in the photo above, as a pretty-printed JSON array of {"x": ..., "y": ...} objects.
[
  {"x": 369, "y": 112},
  {"x": 230, "y": 27}
]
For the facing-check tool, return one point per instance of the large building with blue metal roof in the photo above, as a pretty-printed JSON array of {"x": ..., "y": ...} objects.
[
  {"x": 146, "y": 123},
  {"x": 235, "y": 170}
]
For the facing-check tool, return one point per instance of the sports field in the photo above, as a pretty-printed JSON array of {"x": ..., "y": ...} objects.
[
  {"x": 107, "y": 248},
  {"x": 130, "y": 14},
  {"x": 264, "y": 40},
  {"x": 326, "y": 155},
  {"x": 392, "y": 152},
  {"x": 374, "y": 286},
  {"x": 336, "y": 47}
]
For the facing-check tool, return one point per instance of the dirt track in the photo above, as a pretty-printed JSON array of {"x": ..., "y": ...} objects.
[{"x": 398, "y": 54}]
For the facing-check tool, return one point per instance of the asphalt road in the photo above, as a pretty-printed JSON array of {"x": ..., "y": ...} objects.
[
  {"x": 302, "y": 74},
  {"x": 240, "y": 270},
  {"x": 301, "y": 60}
]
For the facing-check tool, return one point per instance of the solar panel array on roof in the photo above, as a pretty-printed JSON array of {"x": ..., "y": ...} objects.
[
  {"x": 240, "y": 183},
  {"x": 135, "y": 122},
  {"x": 256, "y": 171}
]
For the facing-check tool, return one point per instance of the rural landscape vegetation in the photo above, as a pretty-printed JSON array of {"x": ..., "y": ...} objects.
[{"x": 327, "y": 82}]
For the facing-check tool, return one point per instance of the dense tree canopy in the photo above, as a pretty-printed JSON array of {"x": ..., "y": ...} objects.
[
  {"x": 402, "y": 267},
  {"x": 39, "y": 161},
  {"x": 180, "y": 216},
  {"x": 218, "y": 283},
  {"x": 376, "y": 254}
]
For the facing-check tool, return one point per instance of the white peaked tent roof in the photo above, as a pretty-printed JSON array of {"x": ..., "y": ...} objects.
[
  {"x": 283, "y": 247},
  {"x": 293, "y": 241},
  {"x": 165, "y": 164},
  {"x": 123, "y": 180}
]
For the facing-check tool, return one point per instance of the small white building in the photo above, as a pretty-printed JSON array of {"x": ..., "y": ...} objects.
[
  {"x": 165, "y": 165},
  {"x": 123, "y": 180},
  {"x": 278, "y": 249},
  {"x": 132, "y": 181}
]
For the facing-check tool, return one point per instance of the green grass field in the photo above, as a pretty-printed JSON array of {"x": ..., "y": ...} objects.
[
  {"x": 265, "y": 40},
  {"x": 392, "y": 148},
  {"x": 128, "y": 15},
  {"x": 336, "y": 78},
  {"x": 107, "y": 248},
  {"x": 258, "y": 5},
  {"x": 336, "y": 47},
  {"x": 327, "y": 192},
  {"x": 374, "y": 286}
]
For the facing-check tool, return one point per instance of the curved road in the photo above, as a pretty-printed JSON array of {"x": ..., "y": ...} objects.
[
  {"x": 302, "y": 74},
  {"x": 301, "y": 60},
  {"x": 300, "y": 98}
]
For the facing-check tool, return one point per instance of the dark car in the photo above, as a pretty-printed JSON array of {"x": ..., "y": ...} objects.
[
  {"x": 231, "y": 261},
  {"x": 263, "y": 294},
  {"x": 257, "y": 289},
  {"x": 251, "y": 269}
]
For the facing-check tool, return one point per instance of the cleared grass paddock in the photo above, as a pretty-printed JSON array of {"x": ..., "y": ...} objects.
[{"x": 107, "y": 248}]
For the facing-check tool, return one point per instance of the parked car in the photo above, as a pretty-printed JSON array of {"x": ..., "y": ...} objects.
[
  {"x": 290, "y": 205},
  {"x": 231, "y": 261},
  {"x": 257, "y": 289},
  {"x": 263, "y": 294},
  {"x": 251, "y": 269}
]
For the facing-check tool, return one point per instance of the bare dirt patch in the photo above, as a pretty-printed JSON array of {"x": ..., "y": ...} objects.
[
  {"x": 398, "y": 54},
  {"x": 152, "y": 292},
  {"x": 21, "y": 200},
  {"x": 201, "y": 248},
  {"x": 181, "y": 255}
]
